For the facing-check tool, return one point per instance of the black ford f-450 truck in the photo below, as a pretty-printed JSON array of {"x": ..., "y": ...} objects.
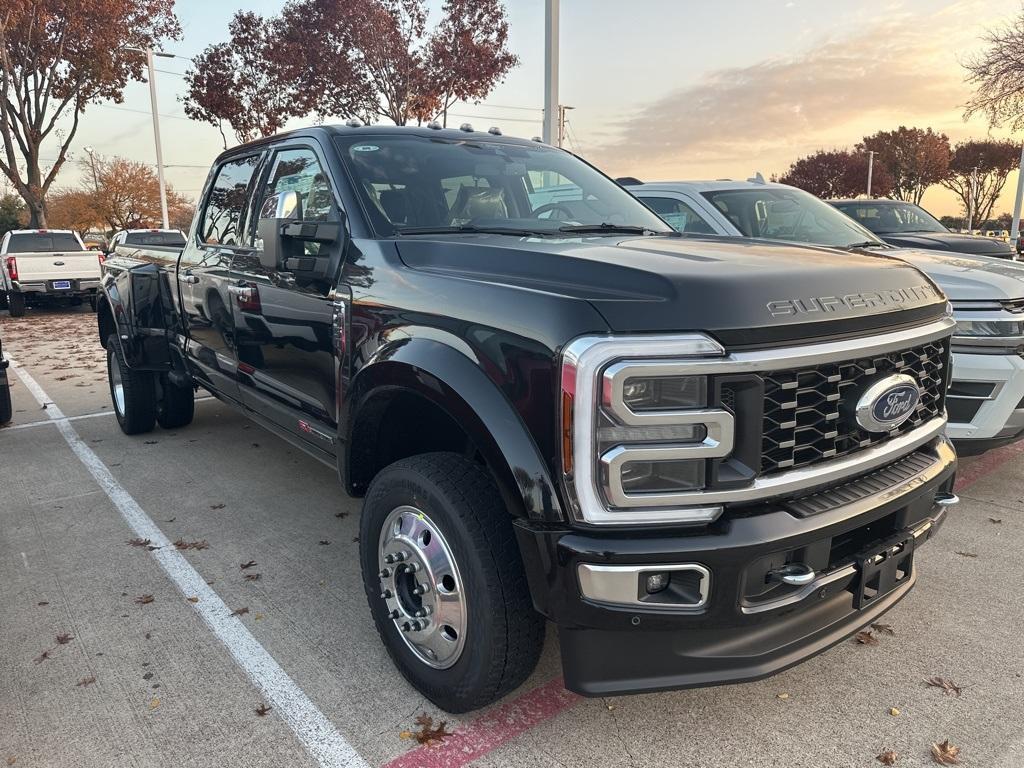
[{"x": 703, "y": 459}]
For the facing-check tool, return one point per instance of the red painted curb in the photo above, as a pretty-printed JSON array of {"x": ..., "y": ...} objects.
[{"x": 987, "y": 463}]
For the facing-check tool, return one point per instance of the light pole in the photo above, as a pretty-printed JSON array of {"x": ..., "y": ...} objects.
[
  {"x": 971, "y": 192},
  {"x": 150, "y": 53},
  {"x": 1015, "y": 231},
  {"x": 871, "y": 168},
  {"x": 562, "y": 109},
  {"x": 551, "y": 110}
]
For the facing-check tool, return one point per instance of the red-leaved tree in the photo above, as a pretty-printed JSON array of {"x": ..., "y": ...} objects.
[
  {"x": 916, "y": 159},
  {"x": 986, "y": 163},
  {"x": 837, "y": 173},
  {"x": 244, "y": 81},
  {"x": 56, "y": 57}
]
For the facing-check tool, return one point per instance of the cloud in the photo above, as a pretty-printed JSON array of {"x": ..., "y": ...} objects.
[{"x": 901, "y": 69}]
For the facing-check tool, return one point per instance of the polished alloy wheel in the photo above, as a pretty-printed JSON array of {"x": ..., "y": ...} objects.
[
  {"x": 422, "y": 588},
  {"x": 116, "y": 384}
]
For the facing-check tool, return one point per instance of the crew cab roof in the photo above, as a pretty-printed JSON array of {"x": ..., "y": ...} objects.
[
  {"x": 329, "y": 131},
  {"x": 42, "y": 231}
]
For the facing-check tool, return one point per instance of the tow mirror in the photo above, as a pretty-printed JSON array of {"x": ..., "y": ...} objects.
[{"x": 283, "y": 231}]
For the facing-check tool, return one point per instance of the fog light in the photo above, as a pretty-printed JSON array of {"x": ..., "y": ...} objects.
[{"x": 656, "y": 582}]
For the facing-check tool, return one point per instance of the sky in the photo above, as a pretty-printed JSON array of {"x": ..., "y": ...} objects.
[{"x": 662, "y": 89}]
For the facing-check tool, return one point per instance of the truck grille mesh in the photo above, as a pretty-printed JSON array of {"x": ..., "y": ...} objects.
[{"x": 808, "y": 411}]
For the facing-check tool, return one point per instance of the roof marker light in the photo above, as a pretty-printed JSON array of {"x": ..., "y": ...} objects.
[
  {"x": 494, "y": 130},
  {"x": 434, "y": 125},
  {"x": 467, "y": 127},
  {"x": 354, "y": 122}
]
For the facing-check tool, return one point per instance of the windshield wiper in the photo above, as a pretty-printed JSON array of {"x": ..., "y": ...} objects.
[
  {"x": 606, "y": 226},
  {"x": 470, "y": 229},
  {"x": 869, "y": 244}
]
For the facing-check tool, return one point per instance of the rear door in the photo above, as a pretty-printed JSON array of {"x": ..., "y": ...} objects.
[
  {"x": 203, "y": 274},
  {"x": 285, "y": 323}
]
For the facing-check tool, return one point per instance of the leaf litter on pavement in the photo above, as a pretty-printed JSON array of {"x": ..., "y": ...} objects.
[{"x": 427, "y": 733}]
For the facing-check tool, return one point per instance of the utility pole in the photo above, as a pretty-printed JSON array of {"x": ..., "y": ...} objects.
[
  {"x": 92, "y": 165},
  {"x": 971, "y": 192},
  {"x": 150, "y": 53},
  {"x": 871, "y": 168},
  {"x": 551, "y": 108},
  {"x": 562, "y": 109}
]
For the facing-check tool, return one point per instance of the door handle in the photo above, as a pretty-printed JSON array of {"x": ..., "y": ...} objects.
[{"x": 188, "y": 278}]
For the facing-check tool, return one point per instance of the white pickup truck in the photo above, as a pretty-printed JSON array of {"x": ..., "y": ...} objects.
[{"x": 41, "y": 265}]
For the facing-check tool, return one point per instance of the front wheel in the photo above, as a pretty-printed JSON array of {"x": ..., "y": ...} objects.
[
  {"x": 133, "y": 393},
  {"x": 445, "y": 582}
]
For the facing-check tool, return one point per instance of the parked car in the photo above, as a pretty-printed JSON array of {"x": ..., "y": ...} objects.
[
  {"x": 910, "y": 226},
  {"x": 986, "y": 399},
  {"x": 704, "y": 460},
  {"x": 6, "y": 409},
  {"x": 42, "y": 265}
]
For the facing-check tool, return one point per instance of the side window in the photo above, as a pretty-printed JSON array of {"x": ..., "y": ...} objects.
[
  {"x": 226, "y": 203},
  {"x": 680, "y": 216},
  {"x": 299, "y": 170}
]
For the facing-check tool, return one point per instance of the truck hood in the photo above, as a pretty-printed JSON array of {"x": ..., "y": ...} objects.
[
  {"x": 967, "y": 278},
  {"x": 743, "y": 291},
  {"x": 951, "y": 241}
]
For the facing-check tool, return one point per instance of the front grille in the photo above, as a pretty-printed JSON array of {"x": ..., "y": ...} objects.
[{"x": 808, "y": 412}]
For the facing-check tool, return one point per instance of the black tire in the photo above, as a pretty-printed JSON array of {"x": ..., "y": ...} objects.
[
  {"x": 3, "y": 299},
  {"x": 176, "y": 406},
  {"x": 136, "y": 411},
  {"x": 6, "y": 409},
  {"x": 504, "y": 635},
  {"x": 16, "y": 304}
]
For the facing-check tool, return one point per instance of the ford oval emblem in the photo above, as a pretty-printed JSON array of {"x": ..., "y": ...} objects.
[{"x": 887, "y": 403}]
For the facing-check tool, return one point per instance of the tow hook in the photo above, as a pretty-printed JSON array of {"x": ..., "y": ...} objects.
[{"x": 794, "y": 574}]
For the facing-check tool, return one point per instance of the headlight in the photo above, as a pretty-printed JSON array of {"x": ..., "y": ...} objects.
[
  {"x": 636, "y": 429},
  {"x": 990, "y": 328}
]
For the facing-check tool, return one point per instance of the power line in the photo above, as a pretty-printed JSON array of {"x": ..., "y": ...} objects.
[
  {"x": 140, "y": 111},
  {"x": 498, "y": 119}
]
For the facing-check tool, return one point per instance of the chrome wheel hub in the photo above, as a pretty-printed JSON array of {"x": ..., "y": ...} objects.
[{"x": 421, "y": 587}]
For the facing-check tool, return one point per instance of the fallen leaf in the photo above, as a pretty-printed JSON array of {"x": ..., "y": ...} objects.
[
  {"x": 262, "y": 709},
  {"x": 995, "y": 519},
  {"x": 341, "y": 514},
  {"x": 43, "y": 602},
  {"x": 12, "y": 760},
  {"x": 948, "y": 686},
  {"x": 894, "y": 711},
  {"x": 323, "y": 542},
  {"x": 888, "y": 757},
  {"x": 182, "y": 544},
  {"x": 148, "y": 635},
  {"x": 139, "y": 542},
  {"x": 967, "y": 554},
  {"x": 150, "y": 442},
  {"x": 192, "y": 599},
  {"x": 144, "y": 599},
  {"x": 64, "y": 638},
  {"x": 41, "y": 657},
  {"x": 217, "y": 506},
  {"x": 427, "y": 734},
  {"x": 782, "y": 696},
  {"x": 148, "y": 676},
  {"x": 86, "y": 681},
  {"x": 171, "y": 520},
  {"x": 884, "y": 629},
  {"x": 946, "y": 753},
  {"x": 250, "y": 564},
  {"x": 866, "y": 638},
  {"x": 252, "y": 577},
  {"x": 239, "y": 611},
  {"x": 255, "y": 445},
  {"x": 154, "y": 703},
  {"x": 257, "y": 616}
]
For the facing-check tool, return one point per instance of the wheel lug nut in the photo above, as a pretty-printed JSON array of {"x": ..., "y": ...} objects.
[
  {"x": 413, "y": 567},
  {"x": 416, "y": 626},
  {"x": 386, "y": 594},
  {"x": 406, "y": 627},
  {"x": 385, "y": 573},
  {"x": 394, "y": 614},
  {"x": 389, "y": 559},
  {"x": 399, "y": 557}
]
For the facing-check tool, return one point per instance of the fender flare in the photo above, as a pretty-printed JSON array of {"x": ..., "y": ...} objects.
[
  {"x": 455, "y": 383},
  {"x": 133, "y": 304}
]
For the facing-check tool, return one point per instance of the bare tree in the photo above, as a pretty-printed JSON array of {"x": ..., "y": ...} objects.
[{"x": 997, "y": 75}]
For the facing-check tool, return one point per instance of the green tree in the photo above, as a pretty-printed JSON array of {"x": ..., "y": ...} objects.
[{"x": 12, "y": 212}]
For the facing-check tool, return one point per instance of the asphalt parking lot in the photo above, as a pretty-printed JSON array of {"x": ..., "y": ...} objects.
[{"x": 127, "y": 654}]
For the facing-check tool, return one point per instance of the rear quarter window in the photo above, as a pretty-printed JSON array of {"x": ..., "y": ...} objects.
[{"x": 170, "y": 239}]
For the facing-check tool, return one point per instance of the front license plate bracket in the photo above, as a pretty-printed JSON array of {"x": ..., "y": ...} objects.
[{"x": 883, "y": 568}]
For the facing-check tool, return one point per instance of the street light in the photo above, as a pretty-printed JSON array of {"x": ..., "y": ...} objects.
[{"x": 150, "y": 53}]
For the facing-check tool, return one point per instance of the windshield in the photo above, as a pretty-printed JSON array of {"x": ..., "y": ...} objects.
[
  {"x": 416, "y": 185},
  {"x": 888, "y": 218},
  {"x": 43, "y": 242},
  {"x": 172, "y": 239},
  {"x": 788, "y": 214}
]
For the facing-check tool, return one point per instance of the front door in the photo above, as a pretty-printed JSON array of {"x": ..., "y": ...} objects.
[
  {"x": 287, "y": 345},
  {"x": 204, "y": 276}
]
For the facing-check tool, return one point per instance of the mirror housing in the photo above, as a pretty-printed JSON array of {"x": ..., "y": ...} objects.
[{"x": 282, "y": 231}]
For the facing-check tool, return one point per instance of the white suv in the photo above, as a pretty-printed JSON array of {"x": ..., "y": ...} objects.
[{"x": 986, "y": 398}]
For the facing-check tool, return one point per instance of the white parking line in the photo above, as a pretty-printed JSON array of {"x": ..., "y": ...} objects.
[
  {"x": 317, "y": 734},
  {"x": 53, "y": 420}
]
